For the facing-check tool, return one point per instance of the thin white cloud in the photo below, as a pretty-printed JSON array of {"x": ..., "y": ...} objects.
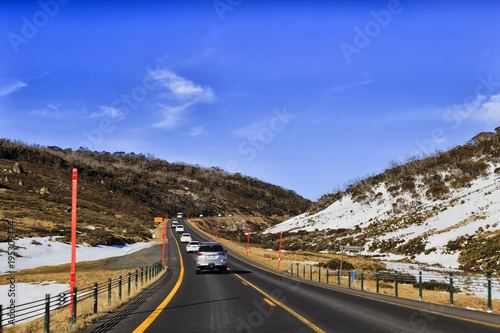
[
  {"x": 252, "y": 130},
  {"x": 346, "y": 86},
  {"x": 172, "y": 115},
  {"x": 484, "y": 109},
  {"x": 55, "y": 111},
  {"x": 8, "y": 86},
  {"x": 195, "y": 131},
  {"x": 182, "y": 88},
  {"x": 489, "y": 111},
  {"x": 177, "y": 97},
  {"x": 107, "y": 112}
]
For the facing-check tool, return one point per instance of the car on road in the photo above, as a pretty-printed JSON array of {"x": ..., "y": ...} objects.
[
  {"x": 186, "y": 237},
  {"x": 192, "y": 246},
  {"x": 174, "y": 224},
  {"x": 179, "y": 228},
  {"x": 211, "y": 256}
]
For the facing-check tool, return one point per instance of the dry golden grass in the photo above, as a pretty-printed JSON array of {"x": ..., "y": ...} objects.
[
  {"x": 87, "y": 273},
  {"x": 60, "y": 320},
  {"x": 270, "y": 259}
]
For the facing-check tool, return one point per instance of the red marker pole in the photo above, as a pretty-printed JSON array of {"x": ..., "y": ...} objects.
[
  {"x": 164, "y": 236},
  {"x": 217, "y": 235},
  {"x": 73, "y": 237},
  {"x": 248, "y": 242},
  {"x": 279, "y": 253}
]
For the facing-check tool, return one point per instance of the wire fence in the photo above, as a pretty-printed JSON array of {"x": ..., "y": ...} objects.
[
  {"x": 120, "y": 287},
  {"x": 453, "y": 283}
]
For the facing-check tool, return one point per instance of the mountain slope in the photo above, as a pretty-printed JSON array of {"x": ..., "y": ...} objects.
[
  {"x": 122, "y": 192},
  {"x": 443, "y": 209}
]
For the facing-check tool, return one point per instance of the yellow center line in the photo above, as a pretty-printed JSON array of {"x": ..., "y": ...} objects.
[
  {"x": 149, "y": 320},
  {"x": 269, "y": 302},
  {"x": 293, "y": 313}
]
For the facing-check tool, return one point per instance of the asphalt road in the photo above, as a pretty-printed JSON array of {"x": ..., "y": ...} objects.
[{"x": 249, "y": 298}]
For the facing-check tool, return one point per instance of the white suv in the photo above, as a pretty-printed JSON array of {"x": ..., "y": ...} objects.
[
  {"x": 186, "y": 237},
  {"x": 210, "y": 256},
  {"x": 179, "y": 228}
]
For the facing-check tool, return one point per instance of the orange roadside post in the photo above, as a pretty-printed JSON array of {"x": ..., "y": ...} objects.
[
  {"x": 279, "y": 253},
  {"x": 73, "y": 237},
  {"x": 164, "y": 236},
  {"x": 248, "y": 242}
]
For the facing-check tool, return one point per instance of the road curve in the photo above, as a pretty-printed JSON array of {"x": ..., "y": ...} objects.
[{"x": 251, "y": 298}]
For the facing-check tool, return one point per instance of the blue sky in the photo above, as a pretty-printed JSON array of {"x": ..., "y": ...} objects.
[{"x": 305, "y": 95}]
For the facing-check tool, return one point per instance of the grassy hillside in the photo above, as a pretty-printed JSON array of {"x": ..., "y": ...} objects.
[{"x": 120, "y": 193}]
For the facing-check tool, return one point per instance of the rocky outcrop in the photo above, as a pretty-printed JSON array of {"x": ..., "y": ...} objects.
[{"x": 17, "y": 168}]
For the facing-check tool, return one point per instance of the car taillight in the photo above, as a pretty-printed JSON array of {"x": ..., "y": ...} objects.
[
  {"x": 222, "y": 253},
  {"x": 200, "y": 254}
]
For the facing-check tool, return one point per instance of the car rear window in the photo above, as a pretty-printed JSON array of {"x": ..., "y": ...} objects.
[{"x": 211, "y": 248}]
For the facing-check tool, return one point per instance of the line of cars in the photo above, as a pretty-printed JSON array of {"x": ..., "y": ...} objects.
[{"x": 208, "y": 255}]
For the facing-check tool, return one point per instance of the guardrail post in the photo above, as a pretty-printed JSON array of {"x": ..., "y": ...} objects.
[
  {"x": 120, "y": 288},
  {"x": 377, "y": 277},
  {"x": 327, "y": 275},
  {"x": 146, "y": 274},
  {"x": 109, "y": 291},
  {"x": 150, "y": 273},
  {"x": 451, "y": 289},
  {"x": 304, "y": 271},
  {"x": 349, "y": 279},
  {"x": 129, "y": 280},
  {"x": 291, "y": 270},
  {"x": 420, "y": 285},
  {"x": 142, "y": 276},
  {"x": 362, "y": 281},
  {"x": 319, "y": 274},
  {"x": 297, "y": 270},
  {"x": 73, "y": 317},
  {"x": 338, "y": 277},
  {"x": 396, "y": 283},
  {"x": 136, "y": 278},
  {"x": 310, "y": 273},
  {"x": 489, "y": 292},
  {"x": 46, "y": 326},
  {"x": 95, "y": 296}
]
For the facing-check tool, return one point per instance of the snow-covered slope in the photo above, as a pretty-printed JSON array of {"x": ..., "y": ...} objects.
[
  {"x": 47, "y": 251},
  {"x": 399, "y": 218}
]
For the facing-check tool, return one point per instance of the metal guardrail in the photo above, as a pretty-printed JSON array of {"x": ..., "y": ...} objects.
[
  {"x": 28, "y": 311},
  {"x": 451, "y": 282}
]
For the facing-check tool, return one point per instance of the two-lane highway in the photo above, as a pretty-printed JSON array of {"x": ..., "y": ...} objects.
[
  {"x": 250, "y": 298},
  {"x": 214, "y": 302}
]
